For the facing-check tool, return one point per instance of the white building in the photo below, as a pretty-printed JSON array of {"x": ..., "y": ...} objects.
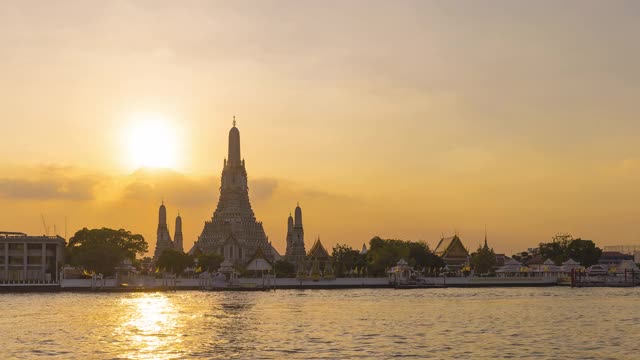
[{"x": 26, "y": 258}]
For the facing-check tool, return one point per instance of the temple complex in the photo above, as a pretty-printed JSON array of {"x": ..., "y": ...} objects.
[
  {"x": 295, "y": 238},
  {"x": 233, "y": 230}
]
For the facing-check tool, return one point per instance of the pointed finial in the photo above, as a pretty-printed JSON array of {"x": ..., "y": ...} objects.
[
  {"x": 485, "y": 235},
  {"x": 234, "y": 121}
]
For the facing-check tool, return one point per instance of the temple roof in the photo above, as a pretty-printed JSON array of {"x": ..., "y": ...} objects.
[
  {"x": 447, "y": 244},
  {"x": 318, "y": 250},
  {"x": 570, "y": 262},
  {"x": 510, "y": 266}
]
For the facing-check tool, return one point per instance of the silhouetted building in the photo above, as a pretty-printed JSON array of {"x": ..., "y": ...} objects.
[
  {"x": 625, "y": 249},
  {"x": 163, "y": 238},
  {"x": 319, "y": 258},
  {"x": 233, "y": 230},
  {"x": 177, "y": 238},
  {"x": 27, "y": 258},
  {"x": 613, "y": 258},
  {"x": 453, "y": 252},
  {"x": 295, "y": 238}
]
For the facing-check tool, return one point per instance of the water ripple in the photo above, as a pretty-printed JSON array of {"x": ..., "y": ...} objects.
[{"x": 549, "y": 323}]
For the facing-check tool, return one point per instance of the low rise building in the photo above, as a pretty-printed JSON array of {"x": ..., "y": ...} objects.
[
  {"x": 610, "y": 258},
  {"x": 25, "y": 258}
]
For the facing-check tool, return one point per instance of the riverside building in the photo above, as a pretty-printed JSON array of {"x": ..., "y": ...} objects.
[{"x": 25, "y": 258}]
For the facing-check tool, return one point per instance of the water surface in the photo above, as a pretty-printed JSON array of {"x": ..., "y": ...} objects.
[{"x": 522, "y": 323}]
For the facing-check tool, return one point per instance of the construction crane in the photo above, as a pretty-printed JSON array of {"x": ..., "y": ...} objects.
[{"x": 44, "y": 225}]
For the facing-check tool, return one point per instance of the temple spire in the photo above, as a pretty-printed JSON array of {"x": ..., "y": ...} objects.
[
  {"x": 485, "y": 237},
  {"x": 162, "y": 215},
  {"x": 234, "y": 158},
  {"x": 177, "y": 237},
  {"x": 298, "y": 216}
]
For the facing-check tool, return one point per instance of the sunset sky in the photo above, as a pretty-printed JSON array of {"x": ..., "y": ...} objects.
[{"x": 404, "y": 119}]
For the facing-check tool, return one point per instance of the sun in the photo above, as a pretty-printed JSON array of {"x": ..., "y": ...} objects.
[{"x": 151, "y": 141}]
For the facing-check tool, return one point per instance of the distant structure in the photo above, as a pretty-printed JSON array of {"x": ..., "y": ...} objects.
[
  {"x": 318, "y": 257},
  {"x": 295, "y": 238},
  {"x": 364, "y": 249},
  {"x": 163, "y": 238},
  {"x": 453, "y": 252},
  {"x": 625, "y": 249},
  {"x": 30, "y": 258},
  {"x": 233, "y": 230},
  {"x": 177, "y": 238}
]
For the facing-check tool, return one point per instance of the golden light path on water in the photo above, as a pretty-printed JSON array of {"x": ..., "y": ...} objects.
[
  {"x": 520, "y": 323},
  {"x": 151, "y": 326}
]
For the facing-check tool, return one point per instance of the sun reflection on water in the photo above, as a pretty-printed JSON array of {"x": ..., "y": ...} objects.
[{"x": 150, "y": 327}]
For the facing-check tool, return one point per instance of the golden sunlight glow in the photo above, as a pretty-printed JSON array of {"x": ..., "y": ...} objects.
[
  {"x": 150, "y": 319},
  {"x": 151, "y": 141}
]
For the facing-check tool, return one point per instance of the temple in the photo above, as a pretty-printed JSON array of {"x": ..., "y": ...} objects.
[
  {"x": 295, "y": 238},
  {"x": 233, "y": 230},
  {"x": 453, "y": 252},
  {"x": 177, "y": 238},
  {"x": 163, "y": 238}
]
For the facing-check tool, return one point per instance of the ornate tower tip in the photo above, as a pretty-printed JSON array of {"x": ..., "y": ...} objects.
[{"x": 234, "y": 121}]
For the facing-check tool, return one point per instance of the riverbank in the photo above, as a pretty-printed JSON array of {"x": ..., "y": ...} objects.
[{"x": 260, "y": 284}]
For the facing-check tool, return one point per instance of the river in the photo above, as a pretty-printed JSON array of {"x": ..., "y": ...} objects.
[{"x": 489, "y": 323}]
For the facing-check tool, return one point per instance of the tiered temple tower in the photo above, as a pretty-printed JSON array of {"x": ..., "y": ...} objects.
[
  {"x": 177, "y": 238},
  {"x": 163, "y": 239},
  {"x": 233, "y": 230},
  {"x": 295, "y": 238}
]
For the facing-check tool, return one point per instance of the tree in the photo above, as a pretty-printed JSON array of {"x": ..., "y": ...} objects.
[
  {"x": 564, "y": 246},
  {"x": 284, "y": 269},
  {"x": 422, "y": 257},
  {"x": 584, "y": 251},
  {"x": 210, "y": 262},
  {"x": 385, "y": 253},
  {"x": 556, "y": 250},
  {"x": 174, "y": 261},
  {"x": 345, "y": 259},
  {"x": 483, "y": 260},
  {"x": 102, "y": 250}
]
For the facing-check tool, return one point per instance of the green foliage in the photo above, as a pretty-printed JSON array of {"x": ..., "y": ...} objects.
[
  {"x": 584, "y": 251},
  {"x": 174, "y": 261},
  {"x": 385, "y": 253},
  {"x": 284, "y": 269},
  {"x": 483, "y": 260},
  {"x": 210, "y": 262},
  {"x": 345, "y": 259},
  {"x": 564, "y": 246},
  {"x": 102, "y": 250}
]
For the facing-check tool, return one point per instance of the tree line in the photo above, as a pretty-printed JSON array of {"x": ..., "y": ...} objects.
[{"x": 103, "y": 250}]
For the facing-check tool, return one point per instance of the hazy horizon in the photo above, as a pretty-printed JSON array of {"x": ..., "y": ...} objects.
[{"x": 405, "y": 120}]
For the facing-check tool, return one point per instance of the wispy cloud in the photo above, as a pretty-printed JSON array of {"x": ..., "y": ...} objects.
[{"x": 50, "y": 182}]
